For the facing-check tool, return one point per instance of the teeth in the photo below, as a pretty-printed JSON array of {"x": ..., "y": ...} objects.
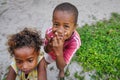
[
  {"x": 56, "y": 33},
  {"x": 65, "y": 33}
]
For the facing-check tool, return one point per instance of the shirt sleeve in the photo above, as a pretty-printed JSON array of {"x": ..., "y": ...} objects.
[
  {"x": 70, "y": 50},
  {"x": 48, "y": 34},
  {"x": 13, "y": 65},
  {"x": 40, "y": 57}
]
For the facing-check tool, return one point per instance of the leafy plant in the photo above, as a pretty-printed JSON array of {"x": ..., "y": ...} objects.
[
  {"x": 78, "y": 77},
  {"x": 100, "y": 49}
]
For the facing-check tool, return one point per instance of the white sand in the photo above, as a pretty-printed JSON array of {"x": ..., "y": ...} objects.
[{"x": 16, "y": 14}]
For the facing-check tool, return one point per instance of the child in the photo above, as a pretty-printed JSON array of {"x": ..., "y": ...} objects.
[
  {"x": 25, "y": 48},
  {"x": 62, "y": 39}
]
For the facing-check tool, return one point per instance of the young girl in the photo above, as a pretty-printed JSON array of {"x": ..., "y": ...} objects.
[
  {"x": 62, "y": 39},
  {"x": 25, "y": 48}
]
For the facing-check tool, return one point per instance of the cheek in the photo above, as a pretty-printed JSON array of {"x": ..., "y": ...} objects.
[
  {"x": 54, "y": 29},
  {"x": 34, "y": 63},
  {"x": 19, "y": 66},
  {"x": 68, "y": 34}
]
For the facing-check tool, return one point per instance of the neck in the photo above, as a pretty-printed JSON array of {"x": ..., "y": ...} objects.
[{"x": 26, "y": 75}]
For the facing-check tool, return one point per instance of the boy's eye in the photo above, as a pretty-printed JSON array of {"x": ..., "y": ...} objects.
[
  {"x": 55, "y": 24},
  {"x": 66, "y": 26}
]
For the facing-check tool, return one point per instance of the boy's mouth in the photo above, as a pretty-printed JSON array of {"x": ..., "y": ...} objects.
[{"x": 61, "y": 35}]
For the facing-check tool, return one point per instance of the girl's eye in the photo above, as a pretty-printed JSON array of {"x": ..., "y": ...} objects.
[
  {"x": 19, "y": 62},
  {"x": 30, "y": 60}
]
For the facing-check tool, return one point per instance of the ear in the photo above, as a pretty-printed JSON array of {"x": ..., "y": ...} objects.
[
  {"x": 52, "y": 18},
  {"x": 38, "y": 52},
  {"x": 75, "y": 26}
]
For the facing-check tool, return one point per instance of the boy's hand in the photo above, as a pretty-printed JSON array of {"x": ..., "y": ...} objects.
[
  {"x": 48, "y": 47},
  {"x": 57, "y": 44}
]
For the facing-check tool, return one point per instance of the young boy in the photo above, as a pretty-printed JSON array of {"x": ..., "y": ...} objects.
[
  {"x": 62, "y": 39},
  {"x": 25, "y": 48}
]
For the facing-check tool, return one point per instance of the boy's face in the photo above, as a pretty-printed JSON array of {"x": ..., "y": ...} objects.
[
  {"x": 63, "y": 24},
  {"x": 26, "y": 59}
]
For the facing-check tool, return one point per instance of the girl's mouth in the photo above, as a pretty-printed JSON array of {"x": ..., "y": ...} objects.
[{"x": 26, "y": 72}]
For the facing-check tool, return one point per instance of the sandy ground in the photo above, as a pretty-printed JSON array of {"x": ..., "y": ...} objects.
[{"x": 17, "y": 14}]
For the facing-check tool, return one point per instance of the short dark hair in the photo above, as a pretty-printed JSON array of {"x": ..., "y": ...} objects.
[
  {"x": 28, "y": 37},
  {"x": 67, "y": 7}
]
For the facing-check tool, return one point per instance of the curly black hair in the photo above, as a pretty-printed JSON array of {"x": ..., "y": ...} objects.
[{"x": 28, "y": 37}]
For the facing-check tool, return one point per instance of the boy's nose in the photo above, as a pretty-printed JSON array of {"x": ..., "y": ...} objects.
[{"x": 60, "y": 30}]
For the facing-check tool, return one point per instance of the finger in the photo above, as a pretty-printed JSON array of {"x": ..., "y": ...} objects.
[
  {"x": 56, "y": 33},
  {"x": 55, "y": 41},
  {"x": 59, "y": 37},
  {"x": 51, "y": 39}
]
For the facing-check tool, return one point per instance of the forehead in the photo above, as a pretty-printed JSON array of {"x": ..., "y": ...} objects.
[
  {"x": 24, "y": 53},
  {"x": 63, "y": 16}
]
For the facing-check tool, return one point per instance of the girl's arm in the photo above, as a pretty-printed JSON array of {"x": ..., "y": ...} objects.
[
  {"x": 11, "y": 74},
  {"x": 42, "y": 75}
]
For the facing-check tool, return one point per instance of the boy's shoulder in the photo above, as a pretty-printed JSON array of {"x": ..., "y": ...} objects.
[
  {"x": 49, "y": 30},
  {"x": 75, "y": 36},
  {"x": 74, "y": 40}
]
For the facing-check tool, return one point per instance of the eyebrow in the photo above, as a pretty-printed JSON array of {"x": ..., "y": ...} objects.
[
  {"x": 17, "y": 59},
  {"x": 30, "y": 58},
  {"x": 66, "y": 23}
]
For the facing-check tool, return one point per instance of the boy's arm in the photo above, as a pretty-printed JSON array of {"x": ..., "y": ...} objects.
[
  {"x": 48, "y": 44},
  {"x": 47, "y": 48},
  {"x": 11, "y": 74},
  {"x": 63, "y": 60},
  {"x": 63, "y": 57},
  {"x": 60, "y": 62},
  {"x": 58, "y": 50}
]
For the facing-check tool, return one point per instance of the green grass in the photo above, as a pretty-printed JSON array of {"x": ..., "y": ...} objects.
[{"x": 100, "y": 49}]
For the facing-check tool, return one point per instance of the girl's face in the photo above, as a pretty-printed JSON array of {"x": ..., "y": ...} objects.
[
  {"x": 63, "y": 24},
  {"x": 26, "y": 59}
]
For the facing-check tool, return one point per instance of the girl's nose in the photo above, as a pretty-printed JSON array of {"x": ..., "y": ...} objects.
[{"x": 24, "y": 67}]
